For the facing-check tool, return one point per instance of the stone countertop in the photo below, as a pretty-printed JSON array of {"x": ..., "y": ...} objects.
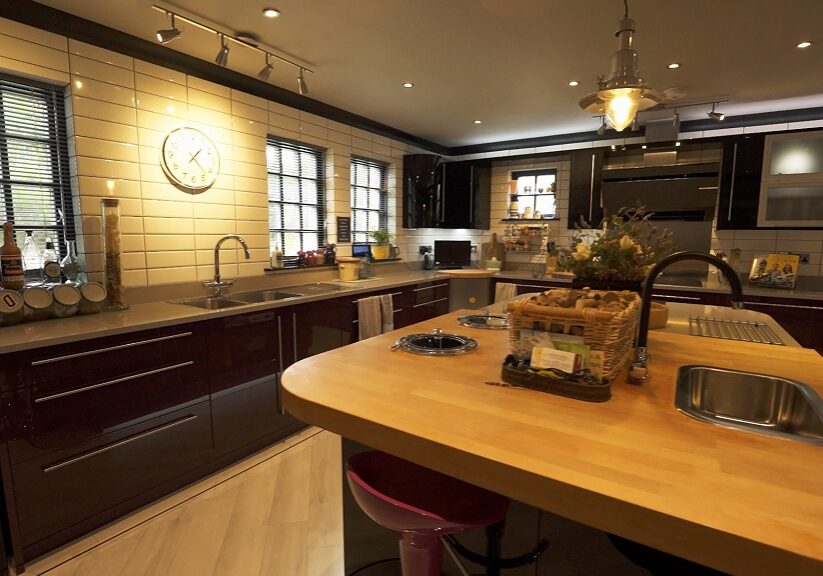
[{"x": 143, "y": 316}]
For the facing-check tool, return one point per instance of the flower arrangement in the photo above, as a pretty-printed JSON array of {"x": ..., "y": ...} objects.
[{"x": 623, "y": 249}]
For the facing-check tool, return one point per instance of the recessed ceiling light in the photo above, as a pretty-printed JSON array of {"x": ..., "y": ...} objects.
[
  {"x": 643, "y": 146},
  {"x": 574, "y": 83},
  {"x": 271, "y": 12},
  {"x": 673, "y": 66},
  {"x": 408, "y": 84},
  {"x": 804, "y": 44},
  {"x": 478, "y": 121}
]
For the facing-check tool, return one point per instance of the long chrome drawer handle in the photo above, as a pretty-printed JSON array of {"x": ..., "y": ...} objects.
[
  {"x": 798, "y": 306},
  {"x": 430, "y": 287},
  {"x": 115, "y": 381},
  {"x": 429, "y": 302},
  {"x": 673, "y": 297},
  {"x": 109, "y": 349},
  {"x": 119, "y": 443},
  {"x": 359, "y": 299}
]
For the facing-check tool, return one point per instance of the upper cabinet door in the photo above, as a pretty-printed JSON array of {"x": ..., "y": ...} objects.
[
  {"x": 584, "y": 187},
  {"x": 740, "y": 175}
]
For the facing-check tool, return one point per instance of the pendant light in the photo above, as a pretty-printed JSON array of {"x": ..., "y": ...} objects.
[{"x": 625, "y": 93}]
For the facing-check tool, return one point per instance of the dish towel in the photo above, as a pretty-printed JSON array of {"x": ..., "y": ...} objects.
[
  {"x": 375, "y": 315},
  {"x": 504, "y": 291}
]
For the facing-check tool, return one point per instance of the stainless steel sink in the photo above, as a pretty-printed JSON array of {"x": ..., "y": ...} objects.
[
  {"x": 756, "y": 402},
  {"x": 263, "y": 296},
  {"x": 318, "y": 288},
  {"x": 213, "y": 303}
]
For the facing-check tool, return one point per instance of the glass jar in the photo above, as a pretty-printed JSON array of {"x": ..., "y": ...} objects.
[
  {"x": 71, "y": 266},
  {"x": 111, "y": 253}
]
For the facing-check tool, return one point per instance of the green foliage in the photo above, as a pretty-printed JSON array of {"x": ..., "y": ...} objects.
[
  {"x": 382, "y": 236},
  {"x": 625, "y": 248}
]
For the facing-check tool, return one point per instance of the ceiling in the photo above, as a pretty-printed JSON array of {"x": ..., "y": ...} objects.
[{"x": 505, "y": 62}]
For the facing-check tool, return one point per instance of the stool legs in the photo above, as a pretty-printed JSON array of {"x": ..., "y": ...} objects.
[{"x": 421, "y": 554}]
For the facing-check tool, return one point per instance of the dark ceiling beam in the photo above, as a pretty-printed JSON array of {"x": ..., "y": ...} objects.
[{"x": 65, "y": 24}]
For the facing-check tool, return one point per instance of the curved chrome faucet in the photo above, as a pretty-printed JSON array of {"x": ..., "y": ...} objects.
[
  {"x": 217, "y": 283},
  {"x": 638, "y": 372}
]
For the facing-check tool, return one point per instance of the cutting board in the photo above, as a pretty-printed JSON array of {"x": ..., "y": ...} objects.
[{"x": 494, "y": 248}]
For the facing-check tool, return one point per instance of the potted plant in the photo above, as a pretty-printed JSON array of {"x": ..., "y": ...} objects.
[{"x": 381, "y": 250}]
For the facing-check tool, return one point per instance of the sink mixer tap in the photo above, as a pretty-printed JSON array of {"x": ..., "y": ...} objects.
[
  {"x": 217, "y": 284},
  {"x": 638, "y": 371}
]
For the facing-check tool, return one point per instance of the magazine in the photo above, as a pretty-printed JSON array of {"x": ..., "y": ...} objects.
[{"x": 774, "y": 271}]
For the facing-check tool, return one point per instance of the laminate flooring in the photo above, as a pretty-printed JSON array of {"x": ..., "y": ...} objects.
[{"x": 276, "y": 513}]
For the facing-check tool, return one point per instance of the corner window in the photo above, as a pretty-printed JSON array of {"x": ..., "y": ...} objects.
[
  {"x": 369, "y": 198},
  {"x": 34, "y": 164},
  {"x": 296, "y": 196},
  {"x": 536, "y": 190}
]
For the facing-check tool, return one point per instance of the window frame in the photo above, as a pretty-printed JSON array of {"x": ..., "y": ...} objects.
[
  {"x": 383, "y": 209},
  {"x": 320, "y": 204},
  {"x": 531, "y": 199},
  {"x": 61, "y": 226}
]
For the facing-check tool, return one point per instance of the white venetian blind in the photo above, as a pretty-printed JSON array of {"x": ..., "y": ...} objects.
[{"x": 369, "y": 198}]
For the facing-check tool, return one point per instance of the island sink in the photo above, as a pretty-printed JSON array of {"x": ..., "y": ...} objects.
[{"x": 759, "y": 403}]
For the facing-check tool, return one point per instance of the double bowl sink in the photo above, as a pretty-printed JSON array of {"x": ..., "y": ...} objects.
[{"x": 259, "y": 296}]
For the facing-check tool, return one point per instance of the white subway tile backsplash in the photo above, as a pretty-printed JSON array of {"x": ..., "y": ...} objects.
[
  {"x": 111, "y": 169},
  {"x": 172, "y": 275},
  {"x": 104, "y": 91},
  {"x": 87, "y": 68},
  {"x": 206, "y": 86},
  {"x": 103, "y": 130},
  {"x": 100, "y": 54},
  {"x": 249, "y": 99},
  {"x": 160, "y": 72},
  {"x": 209, "y": 101},
  {"x": 100, "y": 110},
  {"x": 25, "y": 51},
  {"x": 106, "y": 149},
  {"x": 168, "y": 226},
  {"x": 249, "y": 112},
  {"x": 158, "y": 87}
]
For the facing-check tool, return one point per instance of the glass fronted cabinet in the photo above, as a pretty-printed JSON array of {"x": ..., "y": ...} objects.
[{"x": 791, "y": 192}]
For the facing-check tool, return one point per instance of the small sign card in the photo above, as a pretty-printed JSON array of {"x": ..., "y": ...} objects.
[
  {"x": 774, "y": 271},
  {"x": 343, "y": 229}
]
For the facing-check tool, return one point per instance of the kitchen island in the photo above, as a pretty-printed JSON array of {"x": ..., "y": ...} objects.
[{"x": 633, "y": 466}]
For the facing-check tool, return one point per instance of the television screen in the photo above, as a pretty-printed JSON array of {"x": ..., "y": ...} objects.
[
  {"x": 360, "y": 250},
  {"x": 452, "y": 253}
]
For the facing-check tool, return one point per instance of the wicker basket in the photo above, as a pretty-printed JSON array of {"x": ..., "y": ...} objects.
[{"x": 610, "y": 333}]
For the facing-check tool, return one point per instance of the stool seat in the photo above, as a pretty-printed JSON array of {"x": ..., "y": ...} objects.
[{"x": 420, "y": 504}]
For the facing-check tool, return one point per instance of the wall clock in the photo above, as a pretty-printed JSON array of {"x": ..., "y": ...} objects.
[{"x": 190, "y": 159}]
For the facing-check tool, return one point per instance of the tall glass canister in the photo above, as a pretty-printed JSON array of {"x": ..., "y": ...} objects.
[{"x": 111, "y": 254}]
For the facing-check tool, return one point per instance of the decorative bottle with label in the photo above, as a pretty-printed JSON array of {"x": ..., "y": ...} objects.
[{"x": 11, "y": 260}]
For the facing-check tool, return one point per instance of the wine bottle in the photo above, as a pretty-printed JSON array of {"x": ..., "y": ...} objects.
[{"x": 11, "y": 260}]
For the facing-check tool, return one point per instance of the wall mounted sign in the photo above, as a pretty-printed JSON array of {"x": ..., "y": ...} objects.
[
  {"x": 190, "y": 159},
  {"x": 343, "y": 229}
]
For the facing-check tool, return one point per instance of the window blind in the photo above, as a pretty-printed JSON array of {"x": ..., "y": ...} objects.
[
  {"x": 34, "y": 163},
  {"x": 296, "y": 196},
  {"x": 369, "y": 198}
]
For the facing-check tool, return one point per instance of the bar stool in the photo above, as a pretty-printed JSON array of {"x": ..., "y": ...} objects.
[{"x": 423, "y": 505}]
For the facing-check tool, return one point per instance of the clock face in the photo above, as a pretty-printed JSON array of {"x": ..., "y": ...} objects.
[{"x": 190, "y": 159}]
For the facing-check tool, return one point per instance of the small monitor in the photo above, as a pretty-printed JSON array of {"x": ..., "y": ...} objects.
[
  {"x": 452, "y": 253},
  {"x": 360, "y": 250}
]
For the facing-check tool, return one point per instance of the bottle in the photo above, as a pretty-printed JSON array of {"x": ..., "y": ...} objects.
[
  {"x": 70, "y": 265},
  {"x": 50, "y": 264},
  {"x": 31, "y": 257},
  {"x": 277, "y": 257},
  {"x": 111, "y": 254},
  {"x": 11, "y": 261}
]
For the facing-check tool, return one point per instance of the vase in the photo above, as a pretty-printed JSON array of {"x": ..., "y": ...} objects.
[
  {"x": 70, "y": 265},
  {"x": 381, "y": 251},
  {"x": 598, "y": 284}
]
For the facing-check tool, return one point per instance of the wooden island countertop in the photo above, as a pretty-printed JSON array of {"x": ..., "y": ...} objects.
[{"x": 740, "y": 502}]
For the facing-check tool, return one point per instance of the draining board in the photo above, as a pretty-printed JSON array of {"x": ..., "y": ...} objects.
[{"x": 733, "y": 330}]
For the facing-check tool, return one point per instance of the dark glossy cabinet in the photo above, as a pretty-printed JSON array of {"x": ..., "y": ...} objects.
[
  {"x": 802, "y": 319},
  {"x": 439, "y": 194},
  {"x": 584, "y": 187},
  {"x": 411, "y": 304},
  {"x": 740, "y": 176},
  {"x": 318, "y": 327}
]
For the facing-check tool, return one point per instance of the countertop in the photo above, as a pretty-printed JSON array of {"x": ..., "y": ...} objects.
[
  {"x": 741, "y": 502},
  {"x": 158, "y": 314}
]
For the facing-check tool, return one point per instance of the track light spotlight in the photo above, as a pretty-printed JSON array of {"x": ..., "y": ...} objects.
[
  {"x": 635, "y": 124},
  {"x": 222, "y": 57},
  {"x": 716, "y": 116},
  {"x": 301, "y": 84},
  {"x": 166, "y": 36},
  {"x": 265, "y": 71},
  {"x": 602, "y": 129},
  {"x": 676, "y": 120}
]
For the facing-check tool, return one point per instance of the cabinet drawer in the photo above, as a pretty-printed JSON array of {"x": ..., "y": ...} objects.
[
  {"x": 61, "y": 489},
  {"x": 243, "y": 347},
  {"x": 429, "y": 292},
  {"x": 62, "y": 368},
  {"x": 38, "y": 422}
]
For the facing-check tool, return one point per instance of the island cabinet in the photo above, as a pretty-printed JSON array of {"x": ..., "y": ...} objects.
[
  {"x": 99, "y": 427},
  {"x": 803, "y": 319}
]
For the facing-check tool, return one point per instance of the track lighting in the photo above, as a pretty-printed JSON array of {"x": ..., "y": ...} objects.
[
  {"x": 222, "y": 57},
  {"x": 166, "y": 36},
  {"x": 301, "y": 84},
  {"x": 635, "y": 124},
  {"x": 716, "y": 116},
  {"x": 676, "y": 120},
  {"x": 265, "y": 71},
  {"x": 602, "y": 129}
]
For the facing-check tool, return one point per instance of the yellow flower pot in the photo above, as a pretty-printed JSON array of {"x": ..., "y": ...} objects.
[{"x": 381, "y": 251}]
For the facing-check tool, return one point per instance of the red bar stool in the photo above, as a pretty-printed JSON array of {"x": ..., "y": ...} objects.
[{"x": 421, "y": 505}]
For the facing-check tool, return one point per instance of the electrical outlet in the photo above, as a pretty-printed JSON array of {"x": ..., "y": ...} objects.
[
  {"x": 474, "y": 248},
  {"x": 423, "y": 249},
  {"x": 804, "y": 258}
]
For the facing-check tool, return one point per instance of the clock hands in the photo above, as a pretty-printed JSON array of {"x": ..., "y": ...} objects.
[{"x": 193, "y": 158}]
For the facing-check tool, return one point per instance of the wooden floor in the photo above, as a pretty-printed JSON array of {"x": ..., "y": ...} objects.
[{"x": 277, "y": 513}]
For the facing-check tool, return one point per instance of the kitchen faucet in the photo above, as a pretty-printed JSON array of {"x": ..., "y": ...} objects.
[
  {"x": 639, "y": 370},
  {"x": 217, "y": 283}
]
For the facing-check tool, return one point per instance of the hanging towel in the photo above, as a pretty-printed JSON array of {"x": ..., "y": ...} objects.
[
  {"x": 387, "y": 311},
  {"x": 369, "y": 317},
  {"x": 504, "y": 291}
]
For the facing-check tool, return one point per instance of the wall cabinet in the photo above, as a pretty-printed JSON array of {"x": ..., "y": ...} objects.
[
  {"x": 584, "y": 187},
  {"x": 439, "y": 194},
  {"x": 740, "y": 175}
]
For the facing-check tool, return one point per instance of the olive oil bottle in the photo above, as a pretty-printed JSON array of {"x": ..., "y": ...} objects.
[{"x": 11, "y": 261}]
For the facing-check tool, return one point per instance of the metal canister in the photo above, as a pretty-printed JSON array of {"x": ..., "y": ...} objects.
[
  {"x": 66, "y": 300},
  {"x": 92, "y": 298},
  {"x": 11, "y": 307},
  {"x": 37, "y": 303}
]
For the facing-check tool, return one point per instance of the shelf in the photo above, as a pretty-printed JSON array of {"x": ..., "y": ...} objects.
[{"x": 529, "y": 220}]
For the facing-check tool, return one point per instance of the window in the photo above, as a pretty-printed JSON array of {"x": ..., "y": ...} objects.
[
  {"x": 536, "y": 191},
  {"x": 369, "y": 198},
  {"x": 296, "y": 199},
  {"x": 34, "y": 163}
]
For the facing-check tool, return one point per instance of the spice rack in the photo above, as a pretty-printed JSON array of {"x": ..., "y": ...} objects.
[{"x": 526, "y": 238}]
